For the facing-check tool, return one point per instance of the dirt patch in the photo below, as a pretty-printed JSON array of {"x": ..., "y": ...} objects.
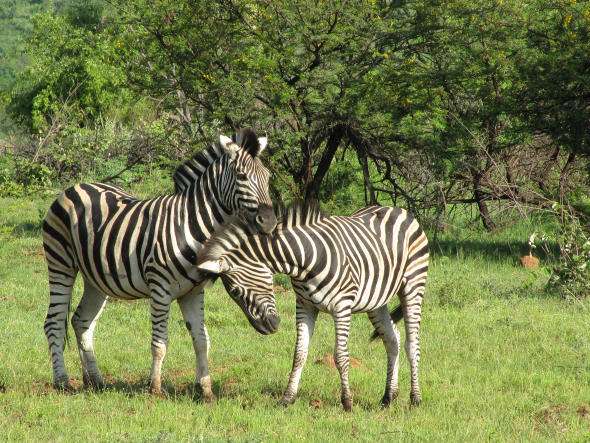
[
  {"x": 552, "y": 416},
  {"x": 328, "y": 360},
  {"x": 316, "y": 403},
  {"x": 229, "y": 387},
  {"x": 584, "y": 411},
  {"x": 76, "y": 384},
  {"x": 35, "y": 252},
  {"x": 181, "y": 373},
  {"x": 46, "y": 387}
]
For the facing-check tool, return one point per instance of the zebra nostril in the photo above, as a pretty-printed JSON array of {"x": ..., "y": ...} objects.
[{"x": 260, "y": 219}]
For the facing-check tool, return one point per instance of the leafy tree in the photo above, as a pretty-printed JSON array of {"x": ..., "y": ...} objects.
[
  {"x": 293, "y": 69},
  {"x": 556, "y": 72},
  {"x": 71, "y": 60}
]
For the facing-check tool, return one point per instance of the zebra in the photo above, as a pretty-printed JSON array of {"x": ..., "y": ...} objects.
[
  {"x": 127, "y": 248},
  {"x": 340, "y": 265}
]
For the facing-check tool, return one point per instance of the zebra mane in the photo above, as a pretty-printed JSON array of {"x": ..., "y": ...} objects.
[
  {"x": 236, "y": 232},
  {"x": 299, "y": 214},
  {"x": 193, "y": 169},
  {"x": 231, "y": 236}
]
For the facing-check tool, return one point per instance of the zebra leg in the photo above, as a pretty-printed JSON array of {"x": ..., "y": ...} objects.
[
  {"x": 61, "y": 282},
  {"x": 192, "y": 308},
  {"x": 84, "y": 322},
  {"x": 305, "y": 319},
  {"x": 159, "y": 310},
  {"x": 390, "y": 334},
  {"x": 342, "y": 327},
  {"x": 411, "y": 301}
]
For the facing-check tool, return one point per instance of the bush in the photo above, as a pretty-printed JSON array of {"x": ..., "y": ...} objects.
[
  {"x": 571, "y": 275},
  {"x": 20, "y": 176}
]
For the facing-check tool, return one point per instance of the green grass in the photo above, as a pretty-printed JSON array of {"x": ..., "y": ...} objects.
[{"x": 501, "y": 360}]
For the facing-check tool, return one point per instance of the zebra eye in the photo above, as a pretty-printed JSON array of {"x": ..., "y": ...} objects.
[{"x": 241, "y": 176}]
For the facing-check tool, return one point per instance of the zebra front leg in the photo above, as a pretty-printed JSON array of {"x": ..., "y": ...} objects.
[
  {"x": 192, "y": 308},
  {"x": 159, "y": 310},
  {"x": 342, "y": 327},
  {"x": 388, "y": 331},
  {"x": 84, "y": 322},
  {"x": 305, "y": 320}
]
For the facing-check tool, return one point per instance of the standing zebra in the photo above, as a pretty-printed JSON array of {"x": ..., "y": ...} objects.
[
  {"x": 339, "y": 265},
  {"x": 128, "y": 248}
]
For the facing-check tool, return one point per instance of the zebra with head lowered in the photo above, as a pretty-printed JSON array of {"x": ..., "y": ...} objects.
[
  {"x": 339, "y": 265},
  {"x": 128, "y": 248}
]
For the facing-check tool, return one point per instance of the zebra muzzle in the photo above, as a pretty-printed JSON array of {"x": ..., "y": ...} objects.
[
  {"x": 265, "y": 219},
  {"x": 268, "y": 324}
]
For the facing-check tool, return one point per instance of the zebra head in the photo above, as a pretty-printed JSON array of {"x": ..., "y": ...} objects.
[
  {"x": 247, "y": 180},
  {"x": 249, "y": 283}
]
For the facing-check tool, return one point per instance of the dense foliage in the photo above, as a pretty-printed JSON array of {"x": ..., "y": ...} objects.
[{"x": 423, "y": 104}]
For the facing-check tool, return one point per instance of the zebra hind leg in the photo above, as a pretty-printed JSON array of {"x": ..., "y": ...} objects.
[
  {"x": 389, "y": 333},
  {"x": 84, "y": 322},
  {"x": 341, "y": 356},
  {"x": 159, "y": 312},
  {"x": 411, "y": 301},
  {"x": 61, "y": 283}
]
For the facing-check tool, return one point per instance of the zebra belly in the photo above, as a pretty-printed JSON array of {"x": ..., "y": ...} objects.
[{"x": 116, "y": 281}]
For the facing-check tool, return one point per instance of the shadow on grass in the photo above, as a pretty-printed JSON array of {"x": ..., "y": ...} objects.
[
  {"x": 23, "y": 230},
  {"x": 496, "y": 250},
  {"x": 170, "y": 391},
  {"x": 324, "y": 399},
  {"x": 133, "y": 388}
]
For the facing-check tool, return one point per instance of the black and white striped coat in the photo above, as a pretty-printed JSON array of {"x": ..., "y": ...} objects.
[
  {"x": 128, "y": 248},
  {"x": 339, "y": 265}
]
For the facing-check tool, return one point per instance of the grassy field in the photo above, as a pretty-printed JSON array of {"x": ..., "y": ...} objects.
[{"x": 501, "y": 359}]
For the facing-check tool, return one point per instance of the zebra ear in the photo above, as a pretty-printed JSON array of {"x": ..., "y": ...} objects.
[
  {"x": 214, "y": 266},
  {"x": 228, "y": 145},
  {"x": 262, "y": 141}
]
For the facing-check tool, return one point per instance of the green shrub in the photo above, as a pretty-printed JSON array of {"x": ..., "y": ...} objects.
[
  {"x": 571, "y": 275},
  {"x": 20, "y": 176}
]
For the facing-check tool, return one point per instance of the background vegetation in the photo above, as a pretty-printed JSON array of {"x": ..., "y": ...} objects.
[{"x": 472, "y": 115}]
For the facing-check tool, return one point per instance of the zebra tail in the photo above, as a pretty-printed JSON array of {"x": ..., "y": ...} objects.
[{"x": 396, "y": 315}]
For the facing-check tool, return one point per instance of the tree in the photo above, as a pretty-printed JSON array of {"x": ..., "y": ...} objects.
[
  {"x": 294, "y": 69},
  {"x": 556, "y": 72},
  {"x": 71, "y": 59},
  {"x": 463, "y": 78}
]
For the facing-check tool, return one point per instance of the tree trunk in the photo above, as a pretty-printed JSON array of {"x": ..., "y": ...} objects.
[
  {"x": 565, "y": 172},
  {"x": 547, "y": 167},
  {"x": 312, "y": 188},
  {"x": 370, "y": 197},
  {"x": 479, "y": 196}
]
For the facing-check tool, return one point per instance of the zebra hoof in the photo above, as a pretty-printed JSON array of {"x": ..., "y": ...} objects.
[
  {"x": 347, "y": 404},
  {"x": 387, "y": 399},
  {"x": 415, "y": 399},
  {"x": 204, "y": 392},
  {"x": 286, "y": 401},
  {"x": 156, "y": 389},
  {"x": 63, "y": 384},
  {"x": 209, "y": 398},
  {"x": 95, "y": 382}
]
